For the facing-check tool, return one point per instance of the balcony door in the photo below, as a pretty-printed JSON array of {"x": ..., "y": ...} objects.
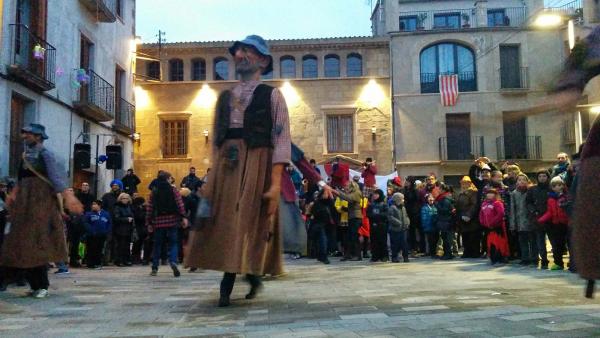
[
  {"x": 85, "y": 63},
  {"x": 20, "y": 115},
  {"x": 510, "y": 67},
  {"x": 515, "y": 136},
  {"x": 458, "y": 133},
  {"x": 30, "y": 19}
]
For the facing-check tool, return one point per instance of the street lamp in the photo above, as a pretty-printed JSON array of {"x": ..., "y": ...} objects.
[{"x": 548, "y": 20}]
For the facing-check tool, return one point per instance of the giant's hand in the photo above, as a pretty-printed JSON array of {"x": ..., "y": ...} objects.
[
  {"x": 72, "y": 203},
  {"x": 328, "y": 192},
  {"x": 271, "y": 197}
]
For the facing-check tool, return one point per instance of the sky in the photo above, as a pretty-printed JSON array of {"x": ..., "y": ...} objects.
[{"x": 214, "y": 20}]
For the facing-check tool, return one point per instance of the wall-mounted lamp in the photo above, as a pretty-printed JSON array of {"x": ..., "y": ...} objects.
[
  {"x": 374, "y": 130},
  {"x": 136, "y": 137},
  {"x": 205, "y": 135}
]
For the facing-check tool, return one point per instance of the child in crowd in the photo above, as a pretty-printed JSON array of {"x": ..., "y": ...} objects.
[
  {"x": 377, "y": 214},
  {"x": 429, "y": 216},
  {"x": 98, "y": 225},
  {"x": 491, "y": 217},
  {"x": 520, "y": 222},
  {"x": 557, "y": 220},
  {"x": 398, "y": 222},
  {"x": 321, "y": 219}
]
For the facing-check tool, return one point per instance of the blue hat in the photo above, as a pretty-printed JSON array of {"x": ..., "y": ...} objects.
[
  {"x": 261, "y": 46},
  {"x": 35, "y": 129},
  {"x": 117, "y": 182}
]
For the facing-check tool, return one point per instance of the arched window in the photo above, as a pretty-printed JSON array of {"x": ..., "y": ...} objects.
[
  {"x": 309, "y": 67},
  {"x": 198, "y": 69},
  {"x": 153, "y": 70},
  {"x": 221, "y": 67},
  {"x": 354, "y": 65},
  {"x": 447, "y": 59},
  {"x": 288, "y": 67},
  {"x": 332, "y": 65},
  {"x": 175, "y": 70}
]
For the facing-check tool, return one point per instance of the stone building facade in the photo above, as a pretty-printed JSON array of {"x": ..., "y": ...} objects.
[
  {"x": 68, "y": 65},
  {"x": 504, "y": 65},
  {"x": 337, "y": 91}
]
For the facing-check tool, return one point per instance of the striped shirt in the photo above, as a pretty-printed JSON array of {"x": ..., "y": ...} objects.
[
  {"x": 165, "y": 221},
  {"x": 241, "y": 98}
]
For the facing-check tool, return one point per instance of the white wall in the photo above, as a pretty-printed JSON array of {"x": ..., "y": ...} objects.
[{"x": 66, "y": 21}]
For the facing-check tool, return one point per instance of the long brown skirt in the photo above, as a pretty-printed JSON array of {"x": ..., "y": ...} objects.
[
  {"x": 240, "y": 237},
  {"x": 37, "y": 232}
]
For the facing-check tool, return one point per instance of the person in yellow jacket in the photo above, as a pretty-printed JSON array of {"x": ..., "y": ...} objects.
[{"x": 341, "y": 207}]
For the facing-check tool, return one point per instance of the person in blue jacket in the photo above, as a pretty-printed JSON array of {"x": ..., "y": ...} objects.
[
  {"x": 98, "y": 225},
  {"x": 429, "y": 215}
]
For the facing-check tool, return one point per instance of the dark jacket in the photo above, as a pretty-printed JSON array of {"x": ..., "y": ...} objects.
[
  {"x": 191, "y": 182},
  {"x": 109, "y": 200},
  {"x": 537, "y": 202},
  {"x": 377, "y": 213},
  {"x": 445, "y": 208},
  {"x": 321, "y": 212},
  {"x": 466, "y": 205},
  {"x": 139, "y": 216},
  {"x": 98, "y": 223},
  {"x": 121, "y": 224},
  {"x": 86, "y": 200},
  {"x": 130, "y": 183}
]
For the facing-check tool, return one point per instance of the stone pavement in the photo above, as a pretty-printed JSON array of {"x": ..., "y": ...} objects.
[{"x": 424, "y": 298}]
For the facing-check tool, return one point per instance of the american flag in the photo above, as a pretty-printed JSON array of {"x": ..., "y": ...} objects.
[{"x": 449, "y": 89}]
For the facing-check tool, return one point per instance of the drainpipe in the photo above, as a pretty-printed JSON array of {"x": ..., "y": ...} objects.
[{"x": 393, "y": 104}]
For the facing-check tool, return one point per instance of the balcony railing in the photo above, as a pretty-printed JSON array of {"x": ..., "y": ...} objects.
[
  {"x": 430, "y": 82},
  {"x": 573, "y": 9},
  {"x": 456, "y": 19},
  {"x": 506, "y": 17},
  {"x": 567, "y": 132},
  {"x": 452, "y": 149},
  {"x": 125, "y": 116},
  {"x": 514, "y": 78},
  {"x": 96, "y": 99},
  {"x": 528, "y": 148},
  {"x": 32, "y": 59},
  {"x": 104, "y": 10}
]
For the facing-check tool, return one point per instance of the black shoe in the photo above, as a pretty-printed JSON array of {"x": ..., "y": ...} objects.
[
  {"x": 344, "y": 259},
  {"x": 176, "y": 272},
  {"x": 145, "y": 263},
  {"x": 254, "y": 291},
  {"x": 224, "y": 301},
  {"x": 406, "y": 260},
  {"x": 373, "y": 260},
  {"x": 395, "y": 260},
  {"x": 366, "y": 255},
  {"x": 193, "y": 269},
  {"x": 356, "y": 259},
  {"x": 324, "y": 261},
  {"x": 3, "y": 287},
  {"x": 154, "y": 272},
  {"x": 128, "y": 264},
  {"x": 447, "y": 258}
]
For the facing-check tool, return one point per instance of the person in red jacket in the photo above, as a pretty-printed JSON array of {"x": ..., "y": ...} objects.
[
  {"x": 557, "y": 220},
  {"x": 368, "y": 175},
  {"x": 491, "y": 217}
]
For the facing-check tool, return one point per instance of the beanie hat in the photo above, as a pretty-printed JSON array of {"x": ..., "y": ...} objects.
[
  {"x": 117, "y": 182},
  {"x": 397, "y": 197},
  {"x": 556, "y": 180}
]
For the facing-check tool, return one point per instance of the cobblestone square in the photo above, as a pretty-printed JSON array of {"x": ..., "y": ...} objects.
[{"x": 424, "y": 298}]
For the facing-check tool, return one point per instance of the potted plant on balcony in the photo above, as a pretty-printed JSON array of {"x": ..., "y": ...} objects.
[
  {"x": 421, "y": 21},
  {"x": 466, "y": 20}
]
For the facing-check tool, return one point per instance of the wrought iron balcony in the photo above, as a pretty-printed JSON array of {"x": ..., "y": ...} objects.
[
  {"x": 527, "y": 148},
  {"x": 454, "y": 149},
  {"x": 430, "y": 82},
  {"x": 573, "y": 9},
  {"x": 506, "y": 17},
  {"x": 514, "y": 78},
  {"x": 104, "y": 10},
  {"x": 125, "y": 116},
  {"x": 32, "y": 59},
  {"x": 96, "y": 98}
]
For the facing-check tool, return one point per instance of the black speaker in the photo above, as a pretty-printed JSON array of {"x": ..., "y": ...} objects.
[
  {"x": 81, "y": 155},
  {"x": 115, "y": 157}
]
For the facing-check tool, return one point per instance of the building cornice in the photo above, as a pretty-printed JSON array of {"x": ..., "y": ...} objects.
[{"x": 276, "y": 45}]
